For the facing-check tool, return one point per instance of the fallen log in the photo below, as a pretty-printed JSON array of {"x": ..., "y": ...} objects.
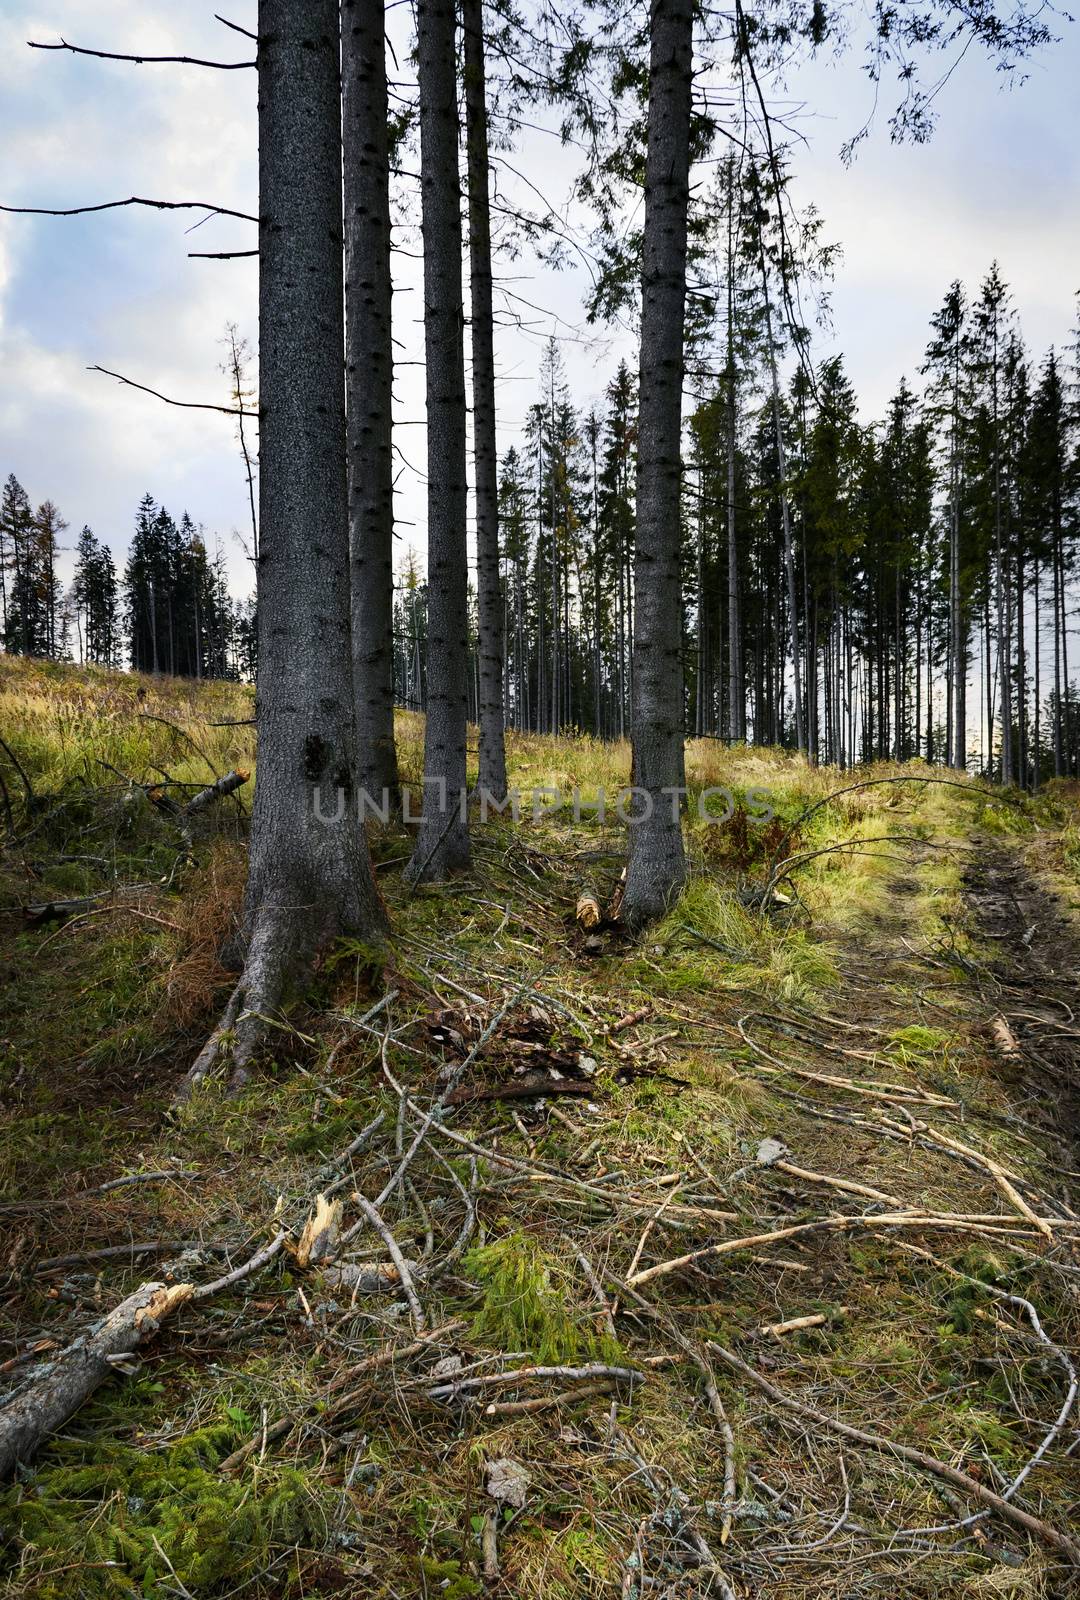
[
  {"x": 69, "y": 1381},
  {"x": 59, "y": 1389}
]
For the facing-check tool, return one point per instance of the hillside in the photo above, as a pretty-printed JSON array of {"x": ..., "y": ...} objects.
[{"x": 738, "y": 1260}]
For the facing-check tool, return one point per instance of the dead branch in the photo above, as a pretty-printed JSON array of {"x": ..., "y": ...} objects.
[
  {"x": 396, "y": 1256},
  {"x": 186, "y": 405},
  {"x": 132, "y": 200},
  {"x": 382, "y": 1358},
  {"x": 235, "y": 26},
  {"x": 550, "y": 1402},
  {"x": 216, "y": 791},
  {"x": 487, "y": 1380},
  {"x": 64, "y": 1385},
  {"x": 1035, "y": 1526},
  {"x": 142, "y": 61},
  {"x": 962, "y": 1222},
  {"x": 531, "y": 1086},
  {"x": 776, "y": 1330}
]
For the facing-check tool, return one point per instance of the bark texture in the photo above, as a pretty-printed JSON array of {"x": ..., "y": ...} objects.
[
  {"x": 310, "y": 873},
  {"x": 61, "y": 1388},
  {"x": 443, "y": 840},
  {"x": 485, "y": 459},
  {"x": 368, "y": 382},
  {"x": 657, "y": 864}
]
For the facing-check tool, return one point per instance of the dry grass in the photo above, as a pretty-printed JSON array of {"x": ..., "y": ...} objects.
[{"x": 782, "y": 1025}]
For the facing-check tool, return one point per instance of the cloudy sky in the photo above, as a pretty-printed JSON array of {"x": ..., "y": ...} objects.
[{"x": 999, "y": 180}]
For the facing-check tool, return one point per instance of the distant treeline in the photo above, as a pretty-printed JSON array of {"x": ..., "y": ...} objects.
[{"x": 169, "y": 611}]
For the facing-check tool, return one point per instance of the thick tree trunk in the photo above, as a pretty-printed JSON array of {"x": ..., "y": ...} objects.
[
  {"x": 657, "y": 864},
  {"x": 443, "y": 840},
  {"x": 368, "y": 382},
  {"x": 310, "y": 874},
  {"x": 485, "y": 459}
]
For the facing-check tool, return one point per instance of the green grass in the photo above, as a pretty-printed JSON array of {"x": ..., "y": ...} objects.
[{"x": 108, "y": 1012}]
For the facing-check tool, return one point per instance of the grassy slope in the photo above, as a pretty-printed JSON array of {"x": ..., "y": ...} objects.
[{"x": 876, "y": 975}]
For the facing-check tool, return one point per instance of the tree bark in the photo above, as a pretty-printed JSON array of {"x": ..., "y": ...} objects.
[
  {"x": 60, "y": 1389},
  {"x": 491, "y": 641},
  {"x": 443, "y": 840},
  {"x": 368, "y": 382},
  {"x": 310, "y": 873},
  {"x": 657, "y": 862}
]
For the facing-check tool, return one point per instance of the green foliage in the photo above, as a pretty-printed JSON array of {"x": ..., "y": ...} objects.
[
  {"x": 126, "y": 1519},
  {"x": 523, "y": 1307}
]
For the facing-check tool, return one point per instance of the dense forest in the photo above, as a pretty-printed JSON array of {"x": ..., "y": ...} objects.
[
  {"x": 169, "y": 610},
  {"x": 933, "y": 554}
]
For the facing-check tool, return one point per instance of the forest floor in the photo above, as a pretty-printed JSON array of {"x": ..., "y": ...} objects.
[{"x": 773, "y": 1207}]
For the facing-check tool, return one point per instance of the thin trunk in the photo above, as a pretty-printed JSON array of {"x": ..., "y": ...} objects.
[
  {"x": 443, "y": 840},
  {"x": 490, "y": 631}
]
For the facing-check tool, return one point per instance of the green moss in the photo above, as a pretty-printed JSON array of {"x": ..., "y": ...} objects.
[
  {"x": 446, "y": 1578},
  {"x": 126, "y": 1516}
]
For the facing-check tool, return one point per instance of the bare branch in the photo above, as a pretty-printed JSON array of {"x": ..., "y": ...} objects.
[
  {"x": 219, "y": 255},
  {"x": 188, "y": 405},
  {"x": 236, "y": 28},
  {"x": 112, "y": 55},
  {"x": 134, "y": 200}
]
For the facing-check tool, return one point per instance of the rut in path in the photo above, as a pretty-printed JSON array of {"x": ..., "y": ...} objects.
[{"x": 1033, "y": 982}]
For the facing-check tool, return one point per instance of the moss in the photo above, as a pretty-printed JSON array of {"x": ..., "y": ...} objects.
[
  {"x": 129, "y": 1518},
  {"x": 446, "y": 1578}
]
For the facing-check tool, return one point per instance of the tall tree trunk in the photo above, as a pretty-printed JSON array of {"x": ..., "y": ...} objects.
[
  {"x": 368, "y": 382},
  {"x": 491, "y": 635},
  {"x": 310, "y": 874},
  {"x": 443, "y": 840},
  {"x": 785, "y": 514},
  {"x": 657, "y": 863},
  {"x": 736, "y": 692}
]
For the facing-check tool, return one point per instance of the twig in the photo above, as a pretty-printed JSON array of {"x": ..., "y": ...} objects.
[
  {"x": 253, "y": 1264},
  {"x": 377, "y": 1222},
  {"x": 918, "y": 1458},
  {"x": 186, "y": 405}
]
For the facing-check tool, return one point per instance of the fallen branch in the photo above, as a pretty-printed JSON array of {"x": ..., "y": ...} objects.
[
  {"x": 977, "y": 1222},
  {"x": 531, "y": 1086},
  {"x": 396, "y": 1256},
  {"x": 382, "y": 1358},
  {"x": 486, "y": 1380},
  {"x": 550, "y": 1402},
  {"x": 1035, "y": 1526},
  {"x": 65, "y": 1385},
  {"x": 216, "y": 791}
]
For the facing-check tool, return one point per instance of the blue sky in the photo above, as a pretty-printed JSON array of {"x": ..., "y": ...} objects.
[{"x": 1000, "y": 179}]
